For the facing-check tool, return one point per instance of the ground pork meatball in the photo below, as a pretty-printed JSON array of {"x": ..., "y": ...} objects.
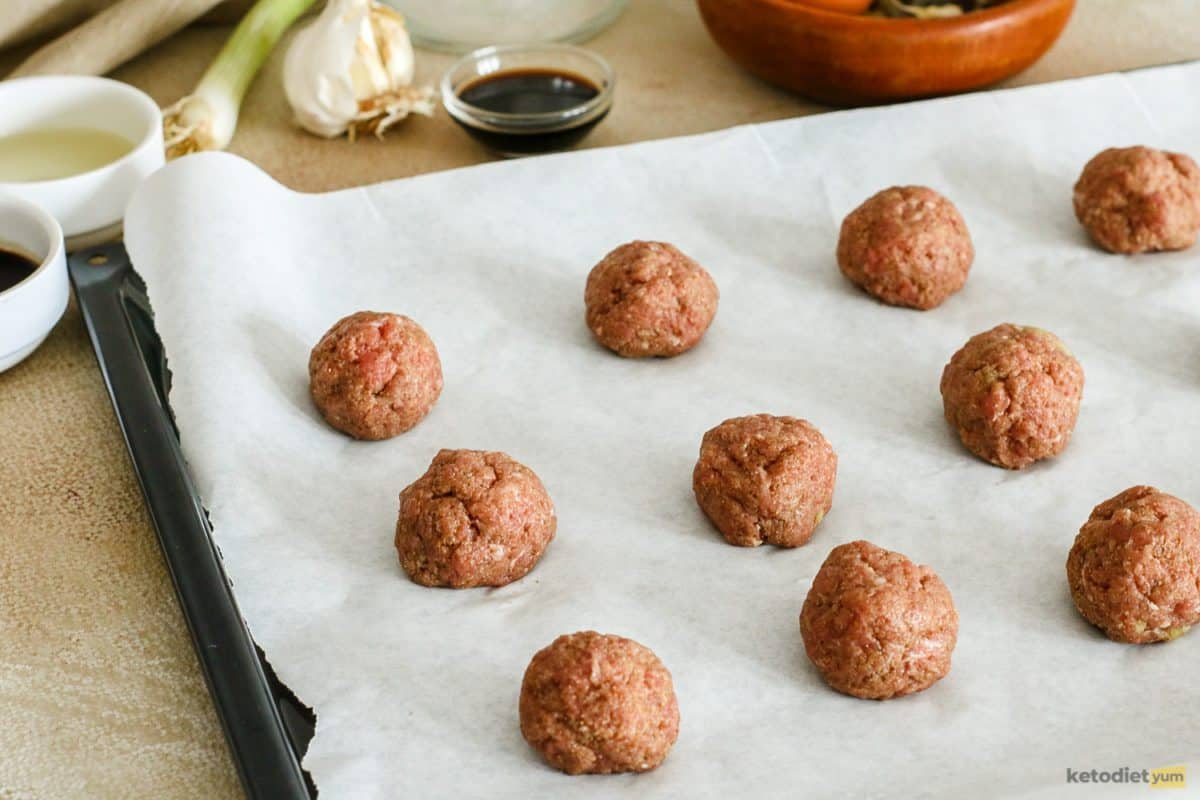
[
  {"x": 649, "y": 299},
  {"x": 765, "y": 479},
  {"x": 1134, "y": 570},
  {"x": 1013, "y": 394},
  {"x": 908, "y": 246},
  {"x": 876, "y": 625},
  {"x": 598, "y": 704},
  {"x": 1136, "y": 199},
  {"x": 374, "y": 375},
  {"x": 473, "y": 519}
]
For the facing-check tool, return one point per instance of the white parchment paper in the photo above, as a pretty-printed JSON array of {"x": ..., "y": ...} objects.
[{"x": 416, "y": 689}]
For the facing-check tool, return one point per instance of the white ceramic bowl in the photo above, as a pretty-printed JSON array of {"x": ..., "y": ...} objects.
[
  {"x": 31, "y": 308},
  {"x": 461, "y": 25},
  {"x": 90, "y": 205}
]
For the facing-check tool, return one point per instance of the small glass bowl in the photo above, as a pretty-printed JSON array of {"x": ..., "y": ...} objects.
[{"x": 519, "y": 134}]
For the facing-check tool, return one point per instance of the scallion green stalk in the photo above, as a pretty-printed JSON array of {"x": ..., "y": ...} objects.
[{"x": 206, "y": 119}]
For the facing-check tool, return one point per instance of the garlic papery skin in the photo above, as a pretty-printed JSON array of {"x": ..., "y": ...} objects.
[{"x": 351, "y": 71}]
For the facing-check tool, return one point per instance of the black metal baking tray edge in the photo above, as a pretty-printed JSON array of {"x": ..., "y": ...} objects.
[{"x": 268, "y": 729}]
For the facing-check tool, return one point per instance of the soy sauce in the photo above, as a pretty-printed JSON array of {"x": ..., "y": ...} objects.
[
  {"x": 14, "y": 268},
  {"x": 530, "y": 91}
]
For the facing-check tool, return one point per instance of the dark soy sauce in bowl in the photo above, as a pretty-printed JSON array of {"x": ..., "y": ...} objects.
[
  {"x": 529, "y": 91},
  {"x": 539, "y": 100},
  {"x": 14, "y": 268}
]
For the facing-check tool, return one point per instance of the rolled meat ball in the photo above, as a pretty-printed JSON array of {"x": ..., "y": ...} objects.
[
  {"x": 596, "y": 703},
  {"x": 1137, "y": 200},
  {"x": 907, "y": 246},
  {"x": 876, "y": 625},
  {"x": 1134, "y": 570},
  {"x": 474, "y": 518},
  {"x": 764, "y": 479},
  {"x": 649, "y": 299},
  {"x": 1012, "y": 394},
  {"x": 374, "y": 375}
]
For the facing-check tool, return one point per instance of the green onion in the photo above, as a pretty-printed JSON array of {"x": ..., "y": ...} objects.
[{"x": 206, "y": 119}]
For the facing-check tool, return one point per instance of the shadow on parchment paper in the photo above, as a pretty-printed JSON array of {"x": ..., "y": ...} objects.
[
  {"x": 1109, "y": 327},
  {"x": 760, "y": 240},
  {"x": 682, "y": 515},
  {"x": 1042, "y": 210},
  {"x": 540, "y": 296},
  {"x": 493, "y": 726},
  {"x": 284, "y": 359},
  {"x": 821, "y": 272},
  {"x": 1042, "y": 598},
  {"x": 948, "y": 442}
]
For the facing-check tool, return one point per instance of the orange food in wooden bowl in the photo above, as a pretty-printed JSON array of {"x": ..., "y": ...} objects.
[
  {"x": 844, "y": 6},
  {"x": 846, "y": 59}
]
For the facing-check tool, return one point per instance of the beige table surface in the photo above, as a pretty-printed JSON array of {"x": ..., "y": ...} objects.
[{"x": 100, "y": 695}]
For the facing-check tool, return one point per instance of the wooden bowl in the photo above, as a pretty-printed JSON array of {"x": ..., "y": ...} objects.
[{"x": 846, "y": 59}]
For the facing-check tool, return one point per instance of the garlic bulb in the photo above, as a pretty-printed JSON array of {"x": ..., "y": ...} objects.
[{"x": 351, "y": 71}]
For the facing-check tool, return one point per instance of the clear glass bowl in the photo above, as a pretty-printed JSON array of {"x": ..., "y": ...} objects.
[
  {"x": 461, "y": 25},
  {"x": 529, "y": 132}
]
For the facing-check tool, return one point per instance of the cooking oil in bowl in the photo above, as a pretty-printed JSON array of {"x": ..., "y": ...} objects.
[{"x": 48, "y": 154}]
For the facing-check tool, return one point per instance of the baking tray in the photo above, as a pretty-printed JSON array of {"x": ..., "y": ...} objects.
[{"x": 267, "y": 727}]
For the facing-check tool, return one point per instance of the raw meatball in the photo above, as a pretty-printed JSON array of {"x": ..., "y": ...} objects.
[
  {"x": 1134, "y": 570},
  {"x": 908, "y": 246},
  {"x": 473, "y": 519},
  {"x": 597, "y": 703},
  {"x": 876, "y": 625},
  {"x": 374, "y": 375},
  {"x": 1013, "y": 394},
  {"x": 1136, "y": 199},
  {"x": 649, "y": 299},
  {"x": 765, "y": 479}
]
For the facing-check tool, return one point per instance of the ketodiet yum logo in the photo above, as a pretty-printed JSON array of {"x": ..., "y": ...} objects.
[{"x": 1161, "y": 778}]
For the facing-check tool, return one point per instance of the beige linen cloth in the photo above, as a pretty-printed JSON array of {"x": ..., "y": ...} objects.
[
  {"x": 69, "y": 25},
  {"x": 99, "y": 690}
]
